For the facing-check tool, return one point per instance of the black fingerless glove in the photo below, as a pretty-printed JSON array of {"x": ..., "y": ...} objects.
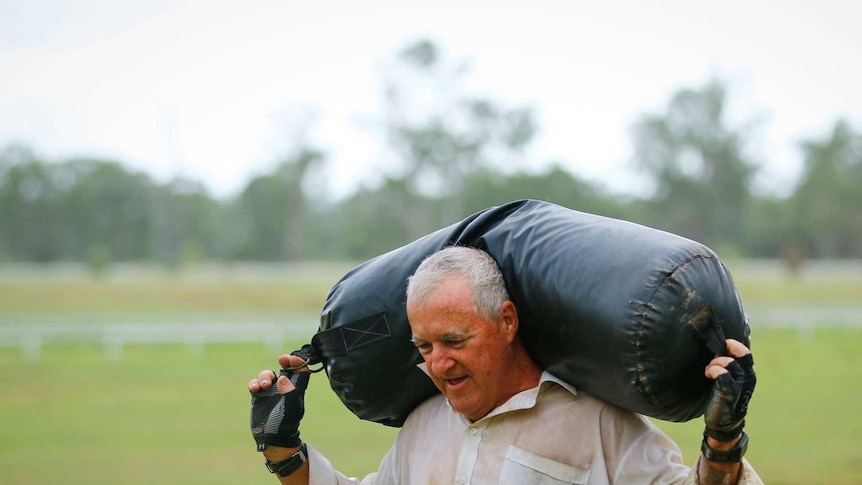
[
  {"x": 275, "y": 417},
  {"x": 725, "y": 413}
]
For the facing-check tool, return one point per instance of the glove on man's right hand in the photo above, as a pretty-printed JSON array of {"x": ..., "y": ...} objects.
[{"x": 275, "y": 417}]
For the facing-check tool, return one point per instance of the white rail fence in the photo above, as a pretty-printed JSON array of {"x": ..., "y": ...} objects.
[
  {"x": 114, "y": 337},
  {"x": 32, "y": 337}
]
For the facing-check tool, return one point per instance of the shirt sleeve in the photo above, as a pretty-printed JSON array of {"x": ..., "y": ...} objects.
[
  {"x": 321, "y": 471},
  {"x": 646, "y": 455},
  {"x": 637, "y": 451}
]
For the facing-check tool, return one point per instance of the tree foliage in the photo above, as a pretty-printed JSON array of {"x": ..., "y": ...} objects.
[
  {"x": 698, "y": 165},
  {"x": 458, "y": 153},
  {"x": 440, "y": 133},
  {"x": 826, "y": 205}
]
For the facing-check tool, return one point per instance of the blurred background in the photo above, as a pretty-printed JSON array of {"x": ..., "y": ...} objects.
[{"x": 182, "y": 182}]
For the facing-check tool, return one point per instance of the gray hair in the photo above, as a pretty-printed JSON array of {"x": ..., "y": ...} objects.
[{"x": 479, "y": 270}]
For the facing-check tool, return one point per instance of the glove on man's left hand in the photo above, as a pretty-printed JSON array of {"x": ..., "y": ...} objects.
[
  {"x": 275, "y": 417},
  {"x": 725, "y": 413}
]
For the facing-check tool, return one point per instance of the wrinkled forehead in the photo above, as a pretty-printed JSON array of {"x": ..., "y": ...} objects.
[
  {"x": 446, "y": 290},
  {"x": 447, "y": 309}
]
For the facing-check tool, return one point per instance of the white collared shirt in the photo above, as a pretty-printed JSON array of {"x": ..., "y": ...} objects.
[{"x": 547, "y": 435}]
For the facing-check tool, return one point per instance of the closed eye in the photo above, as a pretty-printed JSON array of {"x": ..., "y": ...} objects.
[
  {"x": 423, "y": 345},
  {"x": 453, "y": 341}
]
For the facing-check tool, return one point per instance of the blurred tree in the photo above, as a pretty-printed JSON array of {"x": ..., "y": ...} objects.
[
  {"x": 105, "y": 211},
  {"x": 488, "y": 188},
  {"x": 30, "y": 205},
  {"x": 460, "y": 154},
  {"x": 262, "y": 206},
  {"x": 98, "y": 259},
  {"x": 96, "y": 211},
  {"x": 185, "y": 223},
  {"x": 371, "y": 222},
  {"x": 769, "y": 227},
  {"x": 273, "y": 210},
  {"x": 828, "y": 200},
  {"x": 295, "y": 171},
  {"x": 440, "y": 134},
  {"x": 697, "y": 162}
]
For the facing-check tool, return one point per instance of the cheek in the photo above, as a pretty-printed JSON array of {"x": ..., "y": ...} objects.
[
  {"x": 500, "y": 355},
  {"x": 486, "y": 361}
]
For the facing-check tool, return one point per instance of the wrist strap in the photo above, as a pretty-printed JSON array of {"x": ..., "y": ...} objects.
[
  {"x": 289, "y": 465},
  {"x": 727, "y": 435},
  {"x": 732, "y": 455}
]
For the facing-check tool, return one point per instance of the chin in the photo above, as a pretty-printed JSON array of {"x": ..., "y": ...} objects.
[
  {"x": 460, "y": 408},
  {"x": 467, "y": 411}
]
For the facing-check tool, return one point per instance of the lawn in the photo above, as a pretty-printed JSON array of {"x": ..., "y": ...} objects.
[
  {"x": 165, "y": 414},
  {"x": 159, "y": 415}
]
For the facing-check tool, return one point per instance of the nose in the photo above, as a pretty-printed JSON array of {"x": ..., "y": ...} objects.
[{"x": 439, "y": 362}]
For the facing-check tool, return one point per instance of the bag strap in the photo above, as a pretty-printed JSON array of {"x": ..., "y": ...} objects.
[{"x": 709, "y": 330}]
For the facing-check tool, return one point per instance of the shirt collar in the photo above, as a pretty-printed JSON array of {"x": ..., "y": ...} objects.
[{"x": 525, "y": 399}]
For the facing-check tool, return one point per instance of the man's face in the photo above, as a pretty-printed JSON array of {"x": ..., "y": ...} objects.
[{"x": 467, "y": 355}]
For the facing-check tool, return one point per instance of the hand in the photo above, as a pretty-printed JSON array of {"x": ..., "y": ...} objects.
[
  {"x": 734, "y": 385},
  {"x": 276, "y": 410}
]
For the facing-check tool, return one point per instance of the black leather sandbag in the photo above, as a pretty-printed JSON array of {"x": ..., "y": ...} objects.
[{"x": 627, "y": 313}]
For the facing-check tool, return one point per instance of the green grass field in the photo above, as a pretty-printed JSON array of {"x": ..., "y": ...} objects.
[{"x": 167, "y": 415}]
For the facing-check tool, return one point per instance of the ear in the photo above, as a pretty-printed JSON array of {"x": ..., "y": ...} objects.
[{"x": 509, "y": 320}]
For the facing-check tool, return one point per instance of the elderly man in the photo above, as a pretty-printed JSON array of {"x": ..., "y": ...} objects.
[{"x": 499, "y": 417}]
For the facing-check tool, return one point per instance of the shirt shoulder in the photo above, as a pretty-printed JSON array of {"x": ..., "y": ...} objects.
[
  {"x": 434, "y": 413},
  {"x": 433, "y": 406}
]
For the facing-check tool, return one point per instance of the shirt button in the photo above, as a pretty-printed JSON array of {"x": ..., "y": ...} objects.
[
  {"x": 462, "y": 481},
  {"x": 473, "y": 431}
]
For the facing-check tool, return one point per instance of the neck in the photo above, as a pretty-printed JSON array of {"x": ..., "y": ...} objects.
[
  {"x": 525, "y": 374},
  {"x": 527, "y": 371}
]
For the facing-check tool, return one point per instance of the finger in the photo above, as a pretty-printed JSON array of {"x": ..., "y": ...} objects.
[
  {"x": 717, "y": 366},
  {"x": 721, "y": 361},
  {"x": 284, "y": 385},
  {"x": 713, "y": 371},
  {"x": 254, "y": 385},
  {"x": 266, "y": 377},
  {"x": 736, "y": 348},
  {"x": 741, "y": 353},
  {"x": 292, "y": 362},
  {"x": 737, "y": 373}
]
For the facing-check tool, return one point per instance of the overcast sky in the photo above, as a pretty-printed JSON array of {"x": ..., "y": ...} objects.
[{"x": 208, "y": 89}]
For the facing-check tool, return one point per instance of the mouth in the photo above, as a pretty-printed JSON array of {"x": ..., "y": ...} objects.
[{"x": 455, "y": 382}]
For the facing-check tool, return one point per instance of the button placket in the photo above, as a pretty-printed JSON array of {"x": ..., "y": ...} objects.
[{"x": 469, "y": 454}]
